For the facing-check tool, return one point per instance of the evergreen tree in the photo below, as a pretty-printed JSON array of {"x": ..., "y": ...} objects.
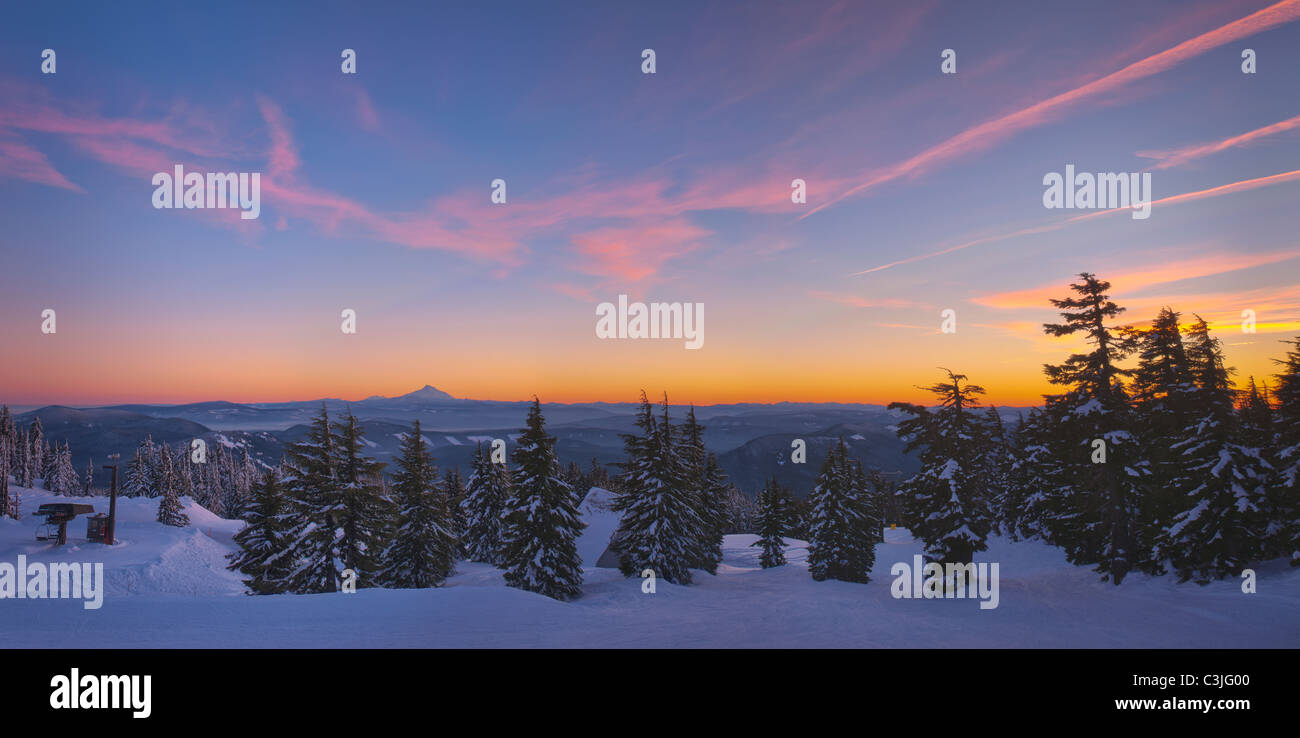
[
  {"x": 234, "y": 499},
  {"x": 140, "y": 473},
  {"x": 315, "y": 504},
  {"x": 88, "y": 479},
  {"x": 484, "y": 509},
  {"x": 742, "y": 512},
  {"x": 1256, "y": 429},
  {"x": 542, "y": 523},
  {"x": 1286, "y": 503},
  {"x": 264, "y": 556},
  {"x": 948, "y": 498},
  {"x": 708, "y": 485},
  {"x": 50, "y": 458},
  {"x": 423, "y": 551},
  {"x": 453, "y": 493},
  {"x": 1163, "y": 392},
  {"x": 773, "y": 521},
  {"x": 659, "y": 528},
  {"x": 843, "y": 531},
  {"x": 597, "y": 475},
  {"x": 36, "y": 438},
  {"x": 998, "y": 460},
  {"x": 182, "y": 468},
  {"x": 170, "y": 511},
  {"x": 1092, "y": 503},
  {"x": 61, "y": 479},
  {"x": 363, "y": 514},
  {"x": 1224, "y": 482},
  {"x": 1025, "y": 481},
  {"x": 8, "y": 439},
  {"x": 574, "y": 477},
  {"x": 23, "y": 460}
]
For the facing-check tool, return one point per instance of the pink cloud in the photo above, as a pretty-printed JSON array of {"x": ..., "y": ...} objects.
[
  {"x": 636, "y": 252},
  {"x": 20, "y": 161},
  {"x": 367, "y": 116},
  {"x": 1176, "y": 157},
  {"x": 621, "y": 229},
  {"x": 1140, "y": 278}
]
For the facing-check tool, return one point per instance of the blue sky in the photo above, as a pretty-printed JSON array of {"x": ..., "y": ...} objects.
[{"x": 665, "y": 187}]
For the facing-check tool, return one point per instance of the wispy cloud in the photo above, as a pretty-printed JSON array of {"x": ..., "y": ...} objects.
[
  {"x": 863, "y": 302},
  {"x": 1135, "y": 280},
  {"x": 988, "y": 134},
  {"x": 1226, "y": 189},
  {"x": 1179, "y": 156},
  {"x": 367, "y": 116},
  {"x": 20, "y": 161}
]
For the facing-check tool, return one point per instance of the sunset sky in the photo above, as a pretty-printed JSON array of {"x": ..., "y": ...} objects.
[{"x": 924, "y": 193}]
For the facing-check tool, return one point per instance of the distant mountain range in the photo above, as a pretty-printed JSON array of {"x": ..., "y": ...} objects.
[{"x": 752, "y": 440}]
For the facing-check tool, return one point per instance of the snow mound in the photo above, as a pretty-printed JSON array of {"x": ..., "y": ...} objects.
[
  {"x": 597, "y": 511},
  {"x": 147, "y": 556}
]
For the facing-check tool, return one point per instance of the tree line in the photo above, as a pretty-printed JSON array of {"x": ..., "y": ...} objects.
[
  {"x": 27, "y": 455},
  {"x": 328, "y": 515},
  {"x": 1158, "y": 466}
]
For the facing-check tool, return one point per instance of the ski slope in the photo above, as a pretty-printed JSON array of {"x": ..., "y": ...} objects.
[{"x": 168, "y": 588}]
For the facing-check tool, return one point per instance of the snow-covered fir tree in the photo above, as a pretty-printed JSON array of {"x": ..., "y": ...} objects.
[
  {"x": 264, "y": 556},
  {"x": 170, "y": 511},
  {"x": 422, "y": 552},
  {"x": 453, "y": 492},
  {"x": 22, "y": 459},
  {"x": 183, "y": 469},
  {"x": 1163, "y": 393},
  {"x": 1286, "y": 503},
  {"x": 998, "y": 460},
  {"x": 1091, "y": 504},
  {"x": 206, "y": 481},
  {"x": 1025, "y": 480},
  {"x": 1223, "y": 483},
  {"x": 8, "y": 437},
  {"x": 542, "y": 520},
  {"x": 237, "y": 495},
  {"x": 844, "y": 527},
  {"x": 659, "y": 527},
  {"x": 314, "y": 498},
  {"x": 948, "y": 500},
  {"x": 1256, "y": 428},
  {"x": 773, "y": 522},
  {"x": 36, "y": 441},
  {"x": 61, "y": 478},
  {"x": 88, "y": 479},
  {"x": 742, "y": 511},
  {"x": 140, "y": 471},
  {"x": 363, "y": 514},
  {"x": 484, "y": 509},
  {"x": 708, "y": 485}
]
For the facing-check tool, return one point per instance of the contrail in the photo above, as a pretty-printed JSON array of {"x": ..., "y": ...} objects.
[
  {"x": 989, "y": 133},
  {"x": 1227, "y": 189}
]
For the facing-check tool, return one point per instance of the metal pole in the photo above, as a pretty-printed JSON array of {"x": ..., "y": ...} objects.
[{"x": 112, "y": 504}]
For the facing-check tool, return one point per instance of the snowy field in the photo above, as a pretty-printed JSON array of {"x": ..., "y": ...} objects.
[{"x": 168, "y": 587}]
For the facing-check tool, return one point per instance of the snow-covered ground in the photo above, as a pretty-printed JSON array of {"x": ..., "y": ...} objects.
[{"x": 168, "y": 587}]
